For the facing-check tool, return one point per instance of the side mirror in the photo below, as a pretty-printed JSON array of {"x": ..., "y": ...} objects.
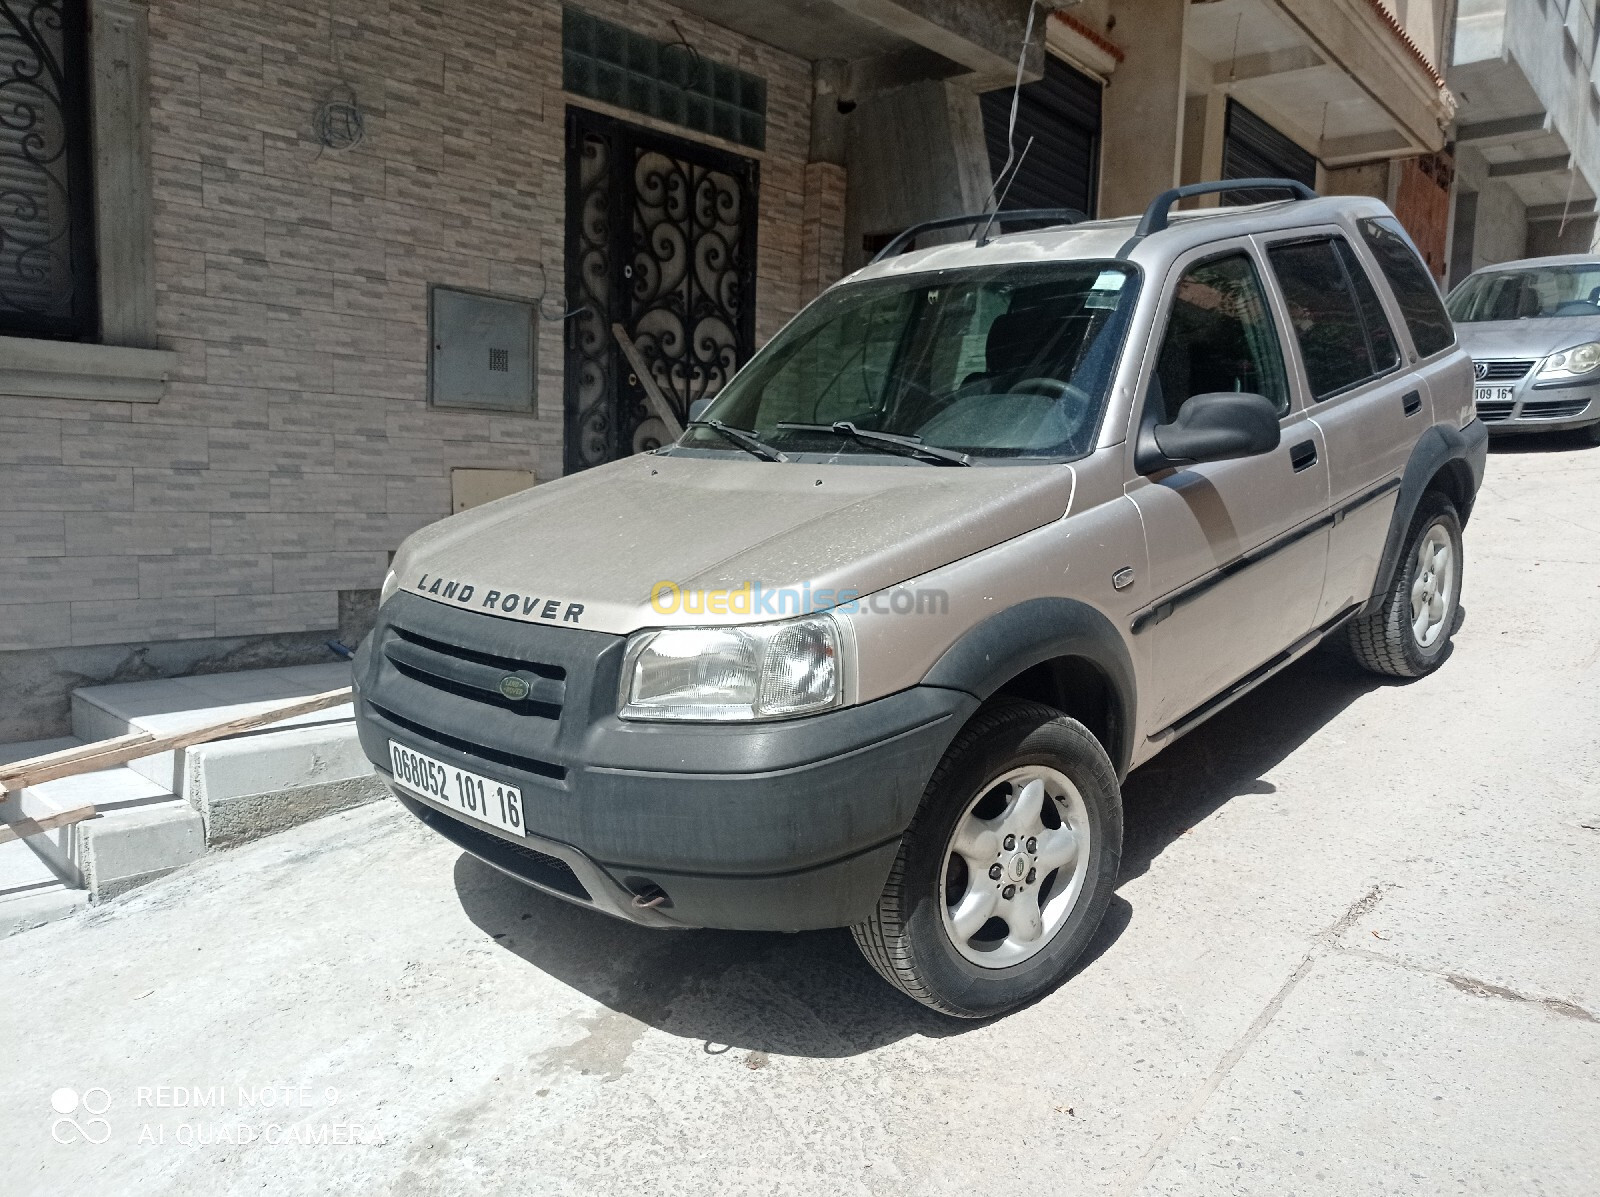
[
  {"x": 698, "y": 407},
  {"x": 1217, "y": 426}
]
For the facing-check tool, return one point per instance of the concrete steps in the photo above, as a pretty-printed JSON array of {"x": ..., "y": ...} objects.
[{"x": 159, "y": 813}]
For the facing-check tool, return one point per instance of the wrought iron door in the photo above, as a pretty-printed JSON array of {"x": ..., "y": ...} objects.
[
  {"x": 661, "y": 239},
  {"x": 47, "y": 259}
]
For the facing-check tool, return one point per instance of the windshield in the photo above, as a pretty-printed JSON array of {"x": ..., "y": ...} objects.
[
  {"x": 1003, "y": 362},
  {"x": 1527, "y": 294}
]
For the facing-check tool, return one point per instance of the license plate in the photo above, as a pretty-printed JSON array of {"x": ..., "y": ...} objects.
[
  {"x": 476, "y": 797},
  {"x": 1492, "y": 394}
]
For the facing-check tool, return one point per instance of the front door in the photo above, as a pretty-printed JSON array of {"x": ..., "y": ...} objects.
[
  {"x": 661, "y": 241},
  {"x": 1237, "y": 548}
]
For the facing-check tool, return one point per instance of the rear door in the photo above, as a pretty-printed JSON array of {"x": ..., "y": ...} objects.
[
  {"x": 1433, "y": 354},
  {"x": 1237, "y": 548},
  {"x": 1368, "y": 407}
]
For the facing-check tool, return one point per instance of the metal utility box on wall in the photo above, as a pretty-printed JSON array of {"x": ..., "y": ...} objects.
[{"x": 482, "y": 350}]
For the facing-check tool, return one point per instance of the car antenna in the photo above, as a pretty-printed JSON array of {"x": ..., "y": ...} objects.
[
  {"x": 983, "y": 235},
  {"x": 1011, "y": 126}
]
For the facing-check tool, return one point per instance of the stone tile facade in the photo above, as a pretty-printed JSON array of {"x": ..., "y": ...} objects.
[{"x": 294, "y": 447}]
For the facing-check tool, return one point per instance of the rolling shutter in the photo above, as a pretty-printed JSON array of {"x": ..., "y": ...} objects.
[
  {"x": 1253, "y": 149},
  {"x": 1061, "y": 113}
]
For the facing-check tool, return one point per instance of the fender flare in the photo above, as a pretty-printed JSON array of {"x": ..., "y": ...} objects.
[
  {"x": 1435, "y": 448},
  {"x": 1010, "y": 642}
]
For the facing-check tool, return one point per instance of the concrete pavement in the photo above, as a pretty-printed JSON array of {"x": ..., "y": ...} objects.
[{"x": 1356, "y": 950}]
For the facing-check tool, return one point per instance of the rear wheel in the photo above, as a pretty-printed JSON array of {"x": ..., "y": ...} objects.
[
  {"x": 1408, "y": 634},
  {"x": 1007, "y": 869}
]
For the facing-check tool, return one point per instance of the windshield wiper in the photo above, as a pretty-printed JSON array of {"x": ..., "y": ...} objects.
[
  {"x": 904, "y": 446},
  {"x": 745, "y": 440}
]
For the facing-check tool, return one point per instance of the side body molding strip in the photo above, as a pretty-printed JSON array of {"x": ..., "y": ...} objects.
[{"x": 1156, "y": 612}]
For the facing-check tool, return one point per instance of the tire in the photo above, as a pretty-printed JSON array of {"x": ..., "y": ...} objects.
[
  {"x": 1386, "y": 640},
  {"x": 1589, "y": 435},
  {"x": 911, "y": 938}
]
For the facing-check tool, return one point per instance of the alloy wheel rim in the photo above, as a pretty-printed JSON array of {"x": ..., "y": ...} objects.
[
  {"x": 1014, "y": 866},
  {"x": 1432, "y": 586}
]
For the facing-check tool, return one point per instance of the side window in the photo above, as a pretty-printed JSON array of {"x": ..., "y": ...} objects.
[
  {"x": 1344, "y": 338},
  {"x": 1380, "y": 337},
  {"x": 1220, "y": 337},
  {"x": 1413, "y": 286}
]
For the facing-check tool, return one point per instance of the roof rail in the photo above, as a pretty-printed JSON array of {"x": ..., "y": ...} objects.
[
  {"x": 1155, "y": 216},
  {"x": 1055, "y": 215}
]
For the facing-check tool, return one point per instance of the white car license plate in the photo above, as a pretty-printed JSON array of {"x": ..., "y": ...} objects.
[
  {"x": 481, "y": 798},
  {"x": 1492, "y": 394}
]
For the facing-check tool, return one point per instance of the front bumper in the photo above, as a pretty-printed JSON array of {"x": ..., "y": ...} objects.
[
  {"x": 790, "y": 825},
  {"x": 1557, "y": 408}
]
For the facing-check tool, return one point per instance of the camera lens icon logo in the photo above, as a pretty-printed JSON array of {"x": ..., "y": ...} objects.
[{"x": 80, "y": 1119}]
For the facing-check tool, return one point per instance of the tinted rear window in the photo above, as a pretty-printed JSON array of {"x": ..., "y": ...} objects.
[
  {"x": 1414, "y": 288},
  {"x": 1380, "y": 337},
  {"x": 1330, "y": 323}
]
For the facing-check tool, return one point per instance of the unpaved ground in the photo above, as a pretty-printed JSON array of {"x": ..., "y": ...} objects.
[{"x": 1356, "y": 950}]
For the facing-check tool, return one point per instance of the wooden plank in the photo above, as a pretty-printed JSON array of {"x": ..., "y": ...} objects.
[
  {"x": 658, "y": 401},
  {"x": 22, "y": 827},
  {"x": 81, "y": 752},
  {"x": 72, "y": 761}
]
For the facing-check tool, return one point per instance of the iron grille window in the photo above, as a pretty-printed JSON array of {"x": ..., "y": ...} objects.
[
  {"x": 671, "y": 81},
  {"x": 47, "y": 266}
]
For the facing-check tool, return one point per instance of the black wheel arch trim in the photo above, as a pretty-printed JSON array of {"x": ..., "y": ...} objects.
[
  {"x": 1010, "y": 642},
  {"x": 1435, "y": 449}
]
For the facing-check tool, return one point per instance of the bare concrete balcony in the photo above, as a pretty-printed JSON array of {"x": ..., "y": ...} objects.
[
  {"x": 1528, "y": 79},
  {"x": 1341, "y": 77},
  {"x": 889, "y": 41}
]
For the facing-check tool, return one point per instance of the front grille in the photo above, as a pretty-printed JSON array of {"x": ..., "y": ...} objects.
[
  {"x": 1491, "y": 413},
  {"x": 511, "y": 759},
  {"x": 1501, "y": 370},
  {"x": 477, "y": 676},
  {"x": 1553, "y": 409},
  {"x": 516, "y": 696}
]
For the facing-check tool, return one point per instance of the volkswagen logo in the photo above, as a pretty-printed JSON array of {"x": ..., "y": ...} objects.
[
  {"x": 514, "y": 687},
  {"x": 1480, "y": 370}
]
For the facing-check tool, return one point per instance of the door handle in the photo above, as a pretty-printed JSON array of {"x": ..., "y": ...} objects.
[
  {"x": 1412, "y": 403},
  {"x": 1303, "y": 456}
]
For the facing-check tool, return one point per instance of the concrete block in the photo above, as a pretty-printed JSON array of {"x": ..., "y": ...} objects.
[
  {"x": 21, "y": 869},
  {"x": 30, "y": 892},
  {"x": 139, "y": 846},
  {"x": 255, "y": 785},
  {"x": 114, "y": 793},
  {"x": 179, "y": 704},
  {"x": 24, "y": 912},
  {"x": 26, "y": 748}
]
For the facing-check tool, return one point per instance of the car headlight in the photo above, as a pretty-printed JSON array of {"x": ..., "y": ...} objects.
[
  {"x": 742, "y": 672},
  {"x": 390, "y": 585},
  {"x": 1572, "y": 363}
]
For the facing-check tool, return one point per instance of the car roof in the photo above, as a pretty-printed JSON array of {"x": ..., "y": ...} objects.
[
  {"x": 1533, "y": 263},
  {"x": 1099, "y": 239}
]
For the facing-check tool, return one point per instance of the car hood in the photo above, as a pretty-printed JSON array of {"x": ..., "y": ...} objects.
[
  {"x": 1526, "y": 338},
  {"x": 588, "y": 551}
]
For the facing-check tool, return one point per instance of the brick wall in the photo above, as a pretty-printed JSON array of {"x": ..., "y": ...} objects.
[{"x": 295, "y": 448}]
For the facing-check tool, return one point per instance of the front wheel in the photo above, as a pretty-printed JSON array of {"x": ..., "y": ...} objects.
[{"x": 1007, "y": 868}]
